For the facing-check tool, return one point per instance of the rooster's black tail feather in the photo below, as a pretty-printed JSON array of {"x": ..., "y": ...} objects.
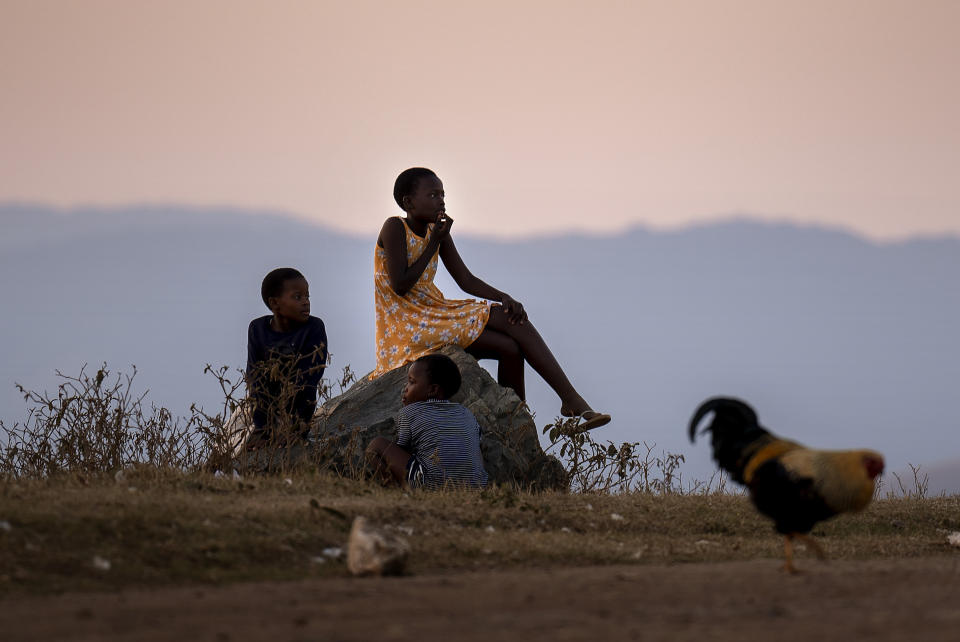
[{"x": 735, "y": 432}]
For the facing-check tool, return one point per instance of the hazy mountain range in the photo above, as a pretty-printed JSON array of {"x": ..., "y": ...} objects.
[{"x": 836, "y": 341}]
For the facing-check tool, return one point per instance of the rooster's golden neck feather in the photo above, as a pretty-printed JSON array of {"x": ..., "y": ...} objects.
[{"x": 764, "y": 454}]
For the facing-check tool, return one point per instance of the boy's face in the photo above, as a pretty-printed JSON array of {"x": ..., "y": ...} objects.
[
  {"x": 418, "y": 386},
  {"x": 293, "y": 305}
]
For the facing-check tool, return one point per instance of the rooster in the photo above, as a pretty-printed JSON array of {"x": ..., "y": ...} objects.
[{"x": 794, "y": 486}]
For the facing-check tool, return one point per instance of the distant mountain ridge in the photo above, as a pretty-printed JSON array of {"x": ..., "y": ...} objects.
[
  {"x": 22, "y": 220},
  {"x": 836, "y": 340}
]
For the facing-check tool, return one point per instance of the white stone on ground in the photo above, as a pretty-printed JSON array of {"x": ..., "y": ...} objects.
[{"x": 375, "y": 551}]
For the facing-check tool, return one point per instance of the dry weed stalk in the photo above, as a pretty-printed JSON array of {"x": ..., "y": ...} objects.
[
  {"x": 94, "y": 423},
  {"x": 97, "y": 423},
  {"x": 230, "y": 436},
  {"x": 921, "y": 484},
  {"x": 608, "y": 468}
]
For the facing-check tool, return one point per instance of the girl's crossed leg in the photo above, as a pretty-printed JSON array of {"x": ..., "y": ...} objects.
[{"x": 511, "y": 344}]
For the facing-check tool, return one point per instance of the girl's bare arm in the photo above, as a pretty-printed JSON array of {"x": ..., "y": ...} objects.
[
  {"x": 393, "y": 240},
  {"x": 474, "y": 285}
]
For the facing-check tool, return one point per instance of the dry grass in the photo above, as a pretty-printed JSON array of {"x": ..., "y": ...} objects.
[
  {"x": 158, "y": 528},
  {"x": 99, "y": 490},
  {"x": 99, "y": 423}
]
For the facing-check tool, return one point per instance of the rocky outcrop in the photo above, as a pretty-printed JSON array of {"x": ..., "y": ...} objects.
[
  {"x": 511, "y": 448},
  {"x": 344, "y": 426}
]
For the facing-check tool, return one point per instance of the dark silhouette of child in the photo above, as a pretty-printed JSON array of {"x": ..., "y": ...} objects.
[{"x": 286, "y": 356}]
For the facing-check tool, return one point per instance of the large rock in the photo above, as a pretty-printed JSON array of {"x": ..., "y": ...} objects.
[{"x": 511, "y": 449}]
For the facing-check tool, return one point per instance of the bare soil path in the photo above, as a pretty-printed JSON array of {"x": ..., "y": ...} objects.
[{"x": 904, "y": 599}]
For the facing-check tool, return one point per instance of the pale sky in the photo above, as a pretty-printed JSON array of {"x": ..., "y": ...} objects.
[{"x": 540, "y": 117}]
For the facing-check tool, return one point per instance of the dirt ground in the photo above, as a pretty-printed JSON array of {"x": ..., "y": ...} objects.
[{"x": 915, "y": 599}]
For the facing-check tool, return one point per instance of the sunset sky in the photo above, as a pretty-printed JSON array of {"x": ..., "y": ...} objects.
[{"x": 540, "y": 117}]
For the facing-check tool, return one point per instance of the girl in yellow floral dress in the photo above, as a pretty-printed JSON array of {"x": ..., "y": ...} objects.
[{"x": 414, "y": 318}]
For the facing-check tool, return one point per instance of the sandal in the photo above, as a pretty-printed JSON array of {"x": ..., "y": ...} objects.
[{"x": 589, "y": 420}]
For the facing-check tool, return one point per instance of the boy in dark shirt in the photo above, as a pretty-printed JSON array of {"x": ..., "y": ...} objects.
[{"x": 286, "y": 356}]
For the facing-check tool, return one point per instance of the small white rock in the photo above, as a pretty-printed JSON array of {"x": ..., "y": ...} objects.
[
  {"x": 954, "y": 539},
  {"x": 617, "y": 517},
  {"x": 375, "y": 551},
  {"x": 100, "y": 563},
  {"x": 288, "y": 481},
  {"x": 5, "y": 526},
  {"x": 490, "y": 529},
  {"x": 565, "y": 530},
  {"x": 589, "y": 506},
  {"x": 334, "y": 552}
]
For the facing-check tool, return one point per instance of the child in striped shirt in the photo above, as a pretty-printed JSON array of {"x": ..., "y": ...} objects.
[{"x": 438, "y": 441}]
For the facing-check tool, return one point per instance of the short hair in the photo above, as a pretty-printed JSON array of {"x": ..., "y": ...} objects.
[
  {"x": 272, "y": 285},
  {"x": 406, "y": 183},
  {"x": 442, "y": 371}
]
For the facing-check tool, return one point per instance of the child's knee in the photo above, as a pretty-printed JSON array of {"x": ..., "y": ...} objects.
[
  {"x": 511, "y": 350},
  {"x": 377, "y": 446}
]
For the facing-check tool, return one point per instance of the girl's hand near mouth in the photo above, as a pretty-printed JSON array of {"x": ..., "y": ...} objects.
[{"x": 441, "y": 229}]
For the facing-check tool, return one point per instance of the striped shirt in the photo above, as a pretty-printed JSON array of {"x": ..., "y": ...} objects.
[{"x": 444, "y": 437}]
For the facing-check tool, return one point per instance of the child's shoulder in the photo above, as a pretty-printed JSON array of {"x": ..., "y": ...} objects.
[
  {"x": 316, "y": 330},
  {"x": 260, "y": 324},
  {"x": 413, "y": 409},
  {"x": 434, "y": 405},
  {"x": 393, "y": 226}
]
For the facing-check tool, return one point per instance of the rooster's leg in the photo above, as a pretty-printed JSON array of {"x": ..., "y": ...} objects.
[
  {"x": 812, "y": 545},
  {"x": 788, "y": 553}
]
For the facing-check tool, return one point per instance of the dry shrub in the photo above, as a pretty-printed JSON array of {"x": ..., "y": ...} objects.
[
  {"x": 596, "y": 467},
  {"x": 229, "y": 434},
  {"x": 97, "y": 423},
  {"x": 94, "y": 423}
]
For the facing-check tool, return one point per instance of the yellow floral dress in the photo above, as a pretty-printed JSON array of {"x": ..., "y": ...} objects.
[{"x": 422, "y": 320}]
